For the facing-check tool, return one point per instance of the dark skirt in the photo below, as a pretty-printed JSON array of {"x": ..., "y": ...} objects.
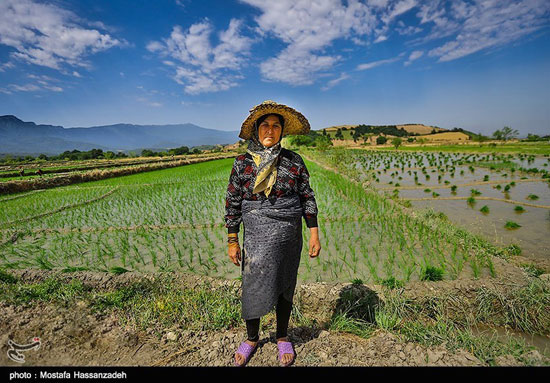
[{"x": 271, "y": 253}]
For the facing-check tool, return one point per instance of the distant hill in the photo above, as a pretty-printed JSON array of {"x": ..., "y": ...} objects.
[
  {"x": 27, "y": 138},
  {"x": 411, "y": 128},
  {"x": 420, "y": 128}
]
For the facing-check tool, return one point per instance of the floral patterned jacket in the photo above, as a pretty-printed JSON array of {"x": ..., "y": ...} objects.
[{"x": 292, "y": 177}]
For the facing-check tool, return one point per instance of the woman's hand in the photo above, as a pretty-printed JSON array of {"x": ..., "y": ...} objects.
[
  {"x": 234, "y": 251},
  {"x": 314, "y": 243}
]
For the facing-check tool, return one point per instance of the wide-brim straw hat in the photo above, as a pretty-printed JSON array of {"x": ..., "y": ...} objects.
[{"x": 295, "y": 122}]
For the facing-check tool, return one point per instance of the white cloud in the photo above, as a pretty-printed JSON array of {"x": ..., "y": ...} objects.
[
  {"x": 332, "y": 83},
  {"x": 374, "y": 64},
  {"x": 181, "y": 3},
  {"x": 146, "y": 101},
  {"x": 199, "y": 66},
  {"x": 403, "y": 29},
  {"x": 415, "y": 55},
  {"x": 308, "y": 28},
  {"x": 24, "y": 88},
  {"x": 296, "y": 67},
  {"x": 47, "y": 35},
  {"x": 482, "y": 25},
  {"x": 6, "y": 65},
  {"x": 398, "y": 9},
  {"x": 40, "y": 83}
]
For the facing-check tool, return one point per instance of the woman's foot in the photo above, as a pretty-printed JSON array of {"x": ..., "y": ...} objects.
[
  {"x": 240, "y": 358},
  {"x": 286, "y": 359}
]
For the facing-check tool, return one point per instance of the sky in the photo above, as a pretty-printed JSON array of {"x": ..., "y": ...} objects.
[{"x": 479, "y": 65}]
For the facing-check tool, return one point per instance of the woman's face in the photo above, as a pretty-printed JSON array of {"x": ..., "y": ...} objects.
[{"x": 269, "y": 131}]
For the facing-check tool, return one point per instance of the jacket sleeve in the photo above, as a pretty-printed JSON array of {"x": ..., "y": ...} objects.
[
  {"x": 307, "y": 196},
  {"x": 233, "y": 200}
]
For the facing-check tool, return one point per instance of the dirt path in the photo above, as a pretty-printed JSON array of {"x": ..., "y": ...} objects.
[{"x": 74, "y": 334}]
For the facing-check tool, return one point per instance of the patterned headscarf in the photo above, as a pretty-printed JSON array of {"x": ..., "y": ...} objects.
[{"x": 265, "y": 159}]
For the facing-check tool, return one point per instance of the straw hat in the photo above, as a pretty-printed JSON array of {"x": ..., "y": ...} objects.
[{"x": 295, "y": 122}]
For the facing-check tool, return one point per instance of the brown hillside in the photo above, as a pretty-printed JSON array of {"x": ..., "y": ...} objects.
[
  {"x": 419, "y": 128},
  {"x": 411, "y": 128}
]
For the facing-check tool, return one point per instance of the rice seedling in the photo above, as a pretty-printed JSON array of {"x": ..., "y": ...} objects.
[
  {"x": 431, "y": 273},
  {"x": 484, "y": 209},
  {"x": 511, "y": 225}
]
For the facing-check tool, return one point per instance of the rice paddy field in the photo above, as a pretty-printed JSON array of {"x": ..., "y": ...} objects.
[
  {"x": 503, "y": 197},
  {"x": 173, "y": 220}
]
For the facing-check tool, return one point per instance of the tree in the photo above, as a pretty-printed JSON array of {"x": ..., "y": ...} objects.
[
  {"x": 508, "y": 133},
  {"x": 381, "y": 140},
  {"x": 322, "y": 143},
  {"x": 479, "y": 137},
  {"x": 396, "y": 142},
  {"x": 497, "y": 135}
]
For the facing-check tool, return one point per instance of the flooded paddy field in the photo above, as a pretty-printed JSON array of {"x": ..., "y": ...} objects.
[
  {"x": 504, "y": 197},
  {"x": 173, "y": 220}
]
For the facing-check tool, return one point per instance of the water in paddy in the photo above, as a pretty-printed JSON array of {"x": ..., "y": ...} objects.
[
  {"x": 541, "y": 342},
  {"x": 511, "y": 188}
]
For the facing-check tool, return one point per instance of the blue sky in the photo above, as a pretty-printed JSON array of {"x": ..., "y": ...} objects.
[{"x": 478, "y": 65}]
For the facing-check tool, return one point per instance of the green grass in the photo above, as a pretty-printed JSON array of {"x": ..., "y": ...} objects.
[
  {"x": 392, "y": 283},
  {"x": 158, "y": 304},
  {"x": 450, "y": 321},
  {"x": 532, "y": 270}
]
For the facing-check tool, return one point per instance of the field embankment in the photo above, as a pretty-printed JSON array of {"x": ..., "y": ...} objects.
[
  {"x": 75, "y": 176},
  {"x": 91, "y": 318}
]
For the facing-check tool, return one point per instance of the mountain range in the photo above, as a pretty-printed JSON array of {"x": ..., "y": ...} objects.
[{"x": 18, "y": 137}]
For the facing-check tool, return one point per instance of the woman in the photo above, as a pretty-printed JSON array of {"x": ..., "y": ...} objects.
[{"x": 269, "y": 192}]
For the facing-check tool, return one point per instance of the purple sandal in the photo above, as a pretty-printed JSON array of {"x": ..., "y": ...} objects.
[
  {"x": 285, "y": 348},
  {"x": 245, "y": 350}
]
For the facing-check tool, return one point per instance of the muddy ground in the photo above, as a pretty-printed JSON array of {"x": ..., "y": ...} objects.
[{"x": 77, "y": 336}]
